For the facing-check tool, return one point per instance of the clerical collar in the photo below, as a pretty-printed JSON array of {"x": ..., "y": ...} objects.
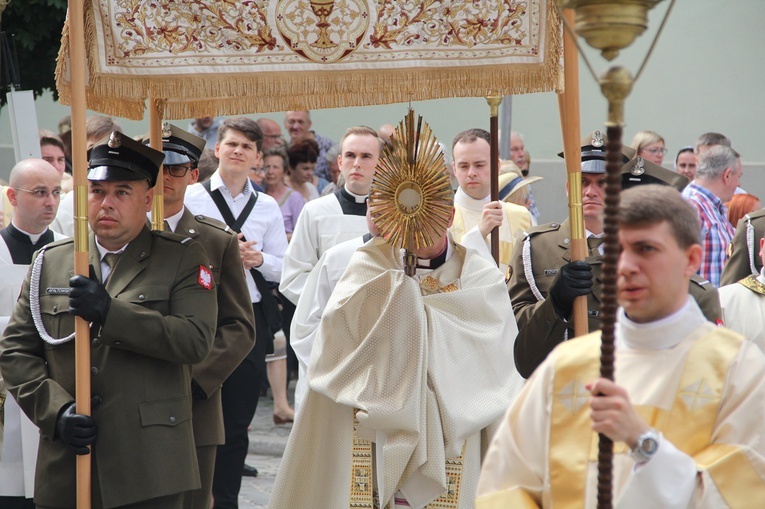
[
  {"x": 351, "y": 204},
  {"x": 662, "y": 334},
  {"x": 173, "y": 220},
  {"x": 462, "y": 199},
  {"x": 33, "y": 237},
  {"x": 434, "y": 263}
]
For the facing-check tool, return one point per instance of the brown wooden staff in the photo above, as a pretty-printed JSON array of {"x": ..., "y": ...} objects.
[
  {"x": 79, "y": 169},
  {"x": 568, "y": 105},
  {"x": 494, "y": 102}
]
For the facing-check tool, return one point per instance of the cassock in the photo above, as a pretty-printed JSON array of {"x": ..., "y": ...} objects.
[
  {"x": 323, "y": 223},
  {"x": 18, "y": 436},
  {"x": 467, "y": 215},
  {"x": 404, "y": 375},
  {"x": 743, "y": 308},
  {"x": 699, "y": 385}
]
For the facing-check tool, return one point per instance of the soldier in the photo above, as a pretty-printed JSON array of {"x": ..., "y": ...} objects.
[
  {"x": 544, "y": 281},
  {"x": 742, "y": 250},
  {"x": 152, "y": 306},
  {"x": 235, "y": 334}
]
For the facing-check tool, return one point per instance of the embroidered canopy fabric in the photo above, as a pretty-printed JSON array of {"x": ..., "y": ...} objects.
[{"x": 222, "y": 57}]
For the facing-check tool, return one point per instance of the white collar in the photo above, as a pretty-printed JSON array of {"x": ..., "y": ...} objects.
[
  {"x": 462, "y": 199},
  {"x": 33, "y": 237},
  {"x": 662, "y": 334},
  {"x": 173, "y": 220},
  {"x": 216, "y": 182},
  {"x": 359, "y": 198}
]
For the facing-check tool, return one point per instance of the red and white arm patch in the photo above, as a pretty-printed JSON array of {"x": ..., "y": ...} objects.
[{"x": 205, "y": 278}]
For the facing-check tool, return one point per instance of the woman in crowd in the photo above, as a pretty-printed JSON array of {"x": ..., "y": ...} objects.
[
  {"x": 740, "y": 205},
  {"x": 650, "y": 146},
  {"x": 302, "y": 156}
]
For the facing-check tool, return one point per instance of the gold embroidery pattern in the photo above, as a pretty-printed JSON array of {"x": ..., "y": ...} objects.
[
  {"x": 574, "y": 396},
  {"x": 751, "y": 282},
  {"x": 441, "y": 24},
  {"x": 362, "y": 472},
  {"x": 431, "y": 285},
  {"x": 451, "y": 497},
  {"x": 322, "y": 31},
  {"x": 143, "y": 29}
]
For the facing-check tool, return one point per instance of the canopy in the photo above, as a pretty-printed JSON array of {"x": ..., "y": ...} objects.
[{"x": 226, "y": 57}]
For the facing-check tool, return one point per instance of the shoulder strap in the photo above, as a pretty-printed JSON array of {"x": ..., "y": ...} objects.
[
  {"x": 285, "y": 196},
  {"x": 228, "y": 216}
]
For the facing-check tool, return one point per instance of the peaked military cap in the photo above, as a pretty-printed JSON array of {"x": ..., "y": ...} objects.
[
  {"x": 180, "y": 146},
  {"x": 594, "y": 153},
  {"x": 640, "y": 171},
  {"x": 123, "y": 158}
]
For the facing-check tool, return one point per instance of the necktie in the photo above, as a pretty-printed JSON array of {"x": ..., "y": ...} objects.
[
  {"x": 166, "y": 226},
  {"x": 593, "y": 243},
  {"x": 111, "y": 260}
]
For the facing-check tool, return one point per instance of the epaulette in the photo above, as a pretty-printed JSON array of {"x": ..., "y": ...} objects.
[
  {"x": 757, "y": 213},
  {"x": 542, "y": 228},
  {"x": 220, "y": 225},
  {"x": 701, "y": 282},
  {"x": 62, "y": 242},
  {"x": 172, "y": 236}
]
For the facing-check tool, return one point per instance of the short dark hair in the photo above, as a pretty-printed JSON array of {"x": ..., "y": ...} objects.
[
  {"x": 49, "y": 138},
  {"x": 244, "y": 125},
  {"x": 470, "y": 135},
  {"x": 303, "y": 151},
  {"x": 652, "y": 204}
]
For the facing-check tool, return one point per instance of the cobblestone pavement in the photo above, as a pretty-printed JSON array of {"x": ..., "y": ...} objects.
[{"x": 267, "y": 443}]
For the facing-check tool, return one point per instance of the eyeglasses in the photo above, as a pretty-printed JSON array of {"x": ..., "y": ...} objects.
[
  {"x": 656, "y": 150},
  {"x": 41, "y": 194},
  {"x": 177, "y": 171}
]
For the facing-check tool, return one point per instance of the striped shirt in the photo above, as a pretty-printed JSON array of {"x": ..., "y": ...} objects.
[{"x": 716, "y": 231}]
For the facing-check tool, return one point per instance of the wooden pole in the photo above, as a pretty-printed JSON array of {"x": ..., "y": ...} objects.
[
  {"x": 494, "y": 102},
  {"x": 568, "y": 105},
  {"x": 79, "y": 169},
  {"x": 155, "y": 141}
]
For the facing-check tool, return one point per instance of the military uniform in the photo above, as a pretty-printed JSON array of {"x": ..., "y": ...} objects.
[
  {"x": 234, "y": 336},
  {"x": 161, "y": 318},
  {"x": 743, "y": 253},
  {"x": 535, "y": 264}
]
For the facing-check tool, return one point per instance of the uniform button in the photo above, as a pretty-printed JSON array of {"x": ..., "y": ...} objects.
[
  {"x": 172, "y": 420},
  {"x": 141, "y": 297},
  {"x": 192, "y": 231},
  {"x": 143, "y": 254},
  {"x": 55, "y": 308},
  {"x": 94, "y": 370},
  {"x": 118, "y": 343},
  {"x": 565, "y": 241},
  {"x": 96, "y": 342}
]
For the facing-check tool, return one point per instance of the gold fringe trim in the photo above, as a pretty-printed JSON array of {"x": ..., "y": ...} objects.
[{"x": 263, "y": 92}]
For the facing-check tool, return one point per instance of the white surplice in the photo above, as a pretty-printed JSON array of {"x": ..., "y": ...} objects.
[{"x": 743, "y": 309}]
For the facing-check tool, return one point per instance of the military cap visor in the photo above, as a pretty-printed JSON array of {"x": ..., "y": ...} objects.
[
  {"x": 173, "y": 158},
  {"x": 123, "y": 158},
  {"x": 180, "y": 146}
]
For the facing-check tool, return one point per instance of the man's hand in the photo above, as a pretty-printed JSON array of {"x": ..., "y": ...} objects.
[
  {"x": 251, "y": 258},
  {"x": 491, "y": 217},
  {"x": 574, "y": 280},
  {"x": 88, "y": 299},
  {"x": 612, "y": 413},
  {"x": 77, "y": 431}
]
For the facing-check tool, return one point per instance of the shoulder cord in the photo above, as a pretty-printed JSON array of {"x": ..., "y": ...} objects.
[
  {"x": 750, "y": 244},
  {"x": 34, "y": 303},
  {"x": 527, "y": 270}
]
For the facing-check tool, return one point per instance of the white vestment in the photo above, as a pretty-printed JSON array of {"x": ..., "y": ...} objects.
[
  {"x": 428, "y": 365},
  {"x": 64, "y": 221},
  {"x": 467, "y": 215},
  {"x": 702, "y": 387},
  {"x": 321, "y": 225},
  {"x": 743, "y": 308}
]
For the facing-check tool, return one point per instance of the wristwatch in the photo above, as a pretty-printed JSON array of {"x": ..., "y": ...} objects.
[{"x": 646, "y": 446}]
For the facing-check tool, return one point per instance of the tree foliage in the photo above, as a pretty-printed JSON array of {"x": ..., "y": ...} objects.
[{"x": 35, "y": 28}]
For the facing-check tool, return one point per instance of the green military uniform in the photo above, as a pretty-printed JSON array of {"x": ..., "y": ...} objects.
[
  {"x": 234, "y": 337},
  {"x": 161, "y": 318},
  {"x": 535, "y": 265},
  {"x": 744, "y": 249}
]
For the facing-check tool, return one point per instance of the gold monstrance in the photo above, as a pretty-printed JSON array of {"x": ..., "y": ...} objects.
[{"x": 411, "y": 199}]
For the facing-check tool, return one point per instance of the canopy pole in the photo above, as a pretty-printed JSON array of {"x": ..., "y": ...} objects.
[{"x": 155, "y": 141}]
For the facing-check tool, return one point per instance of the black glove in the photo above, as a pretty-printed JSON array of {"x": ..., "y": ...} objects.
[
  {"x": 88, "y": 298},
  {"x": 77, "y": 431},
  {"x": 574, "y": 280}
]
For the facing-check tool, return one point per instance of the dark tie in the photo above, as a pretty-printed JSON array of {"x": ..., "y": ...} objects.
[
  {"x": 111, "y": 260},
  {"x": 167, "y": 226},
  {"x": 593, "y": 243}
]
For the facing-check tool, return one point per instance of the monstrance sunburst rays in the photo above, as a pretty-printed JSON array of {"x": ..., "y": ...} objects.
[{"x": 411, "y": 198}]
